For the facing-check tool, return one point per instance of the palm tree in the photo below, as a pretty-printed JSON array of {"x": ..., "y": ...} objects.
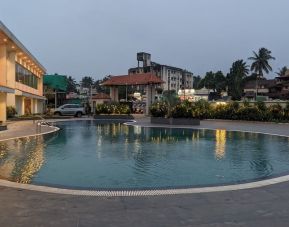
[
  {"x": 261, "y": 63},
  {"x": 235, "y": 79},
  {"x": 282, "y": 72}
]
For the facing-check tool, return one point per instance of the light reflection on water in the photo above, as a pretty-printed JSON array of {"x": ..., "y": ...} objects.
[
  {"x": 22, "y": 158},
  {"x": 90, "y": 154}
]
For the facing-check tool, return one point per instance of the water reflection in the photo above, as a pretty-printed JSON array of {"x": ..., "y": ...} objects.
[
  {"x": 116, "y": 155},
  {"x": 220, "y": 149},
  {"x": 20, "y": 159},
  {"x": 119, "y": 132}
]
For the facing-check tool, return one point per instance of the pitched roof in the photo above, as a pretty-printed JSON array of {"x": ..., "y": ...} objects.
[
  {"x": 133, "y": 79},
  {"x": 266, "y": 83}
]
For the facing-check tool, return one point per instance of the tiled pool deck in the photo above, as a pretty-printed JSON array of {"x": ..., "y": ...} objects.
[{"x": 265, "y": 206}]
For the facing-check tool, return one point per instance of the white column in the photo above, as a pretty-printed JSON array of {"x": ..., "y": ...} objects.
[
  {"x": 35, "y": 106},
  {"x": 150, "y": 93},
  {"x": 22, "y": 100},
  {"x": 113, "y": 91}
]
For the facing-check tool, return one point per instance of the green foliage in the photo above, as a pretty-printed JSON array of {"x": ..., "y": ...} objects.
[
  {"x": 231, "y": 111},
  {"x": 71, "y": 84},
  {"x": 261, "y": 106},
  {"x": 201, "y": 109},
  {"x": 196, "y": 82},
  {"x": 171, "y": 99},
  {"x": 87, "y": 81},
  {"x": 182, "y": 110},
  {"x": 215, "y": 81},
  {"x": 249, "y": 113},
  {"x": 228, "y": 111},
  {"x": 246, "y": 103},
  {"x": 112, "y": 108},
  {"x": 286, "y": 111},
  {"x": 276, "y": 112},
  {"x": 282, "y": 71},
  {"x": 261, "y": 61},
  {"x": 236, "y": 79},
  {"x": 10, "y": 111},
  {"x": 159, "y": 109}
]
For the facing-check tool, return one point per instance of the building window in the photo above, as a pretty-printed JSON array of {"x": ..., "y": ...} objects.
[{"x": 24, "y": 76}]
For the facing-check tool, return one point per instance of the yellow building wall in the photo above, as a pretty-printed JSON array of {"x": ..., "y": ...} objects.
[
  {"x": 3, "y": 62},
  {"x": 2, "y": 107},
  {"x": 11, "y": 69},
  {"x": 11, "y": 100}
]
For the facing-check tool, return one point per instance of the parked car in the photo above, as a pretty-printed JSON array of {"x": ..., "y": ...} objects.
[{"x": 70, "y": 109}]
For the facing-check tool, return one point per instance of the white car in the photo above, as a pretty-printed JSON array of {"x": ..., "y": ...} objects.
[{"x": 70, "y": 109}]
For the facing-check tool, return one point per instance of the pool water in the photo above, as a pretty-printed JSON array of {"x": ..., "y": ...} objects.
[{"x": 101, "y": 155}]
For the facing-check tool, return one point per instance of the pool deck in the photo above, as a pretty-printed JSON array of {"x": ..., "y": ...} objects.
[
  {"x": 17, "y": 129},
  {"x": 265, "y": 206}
]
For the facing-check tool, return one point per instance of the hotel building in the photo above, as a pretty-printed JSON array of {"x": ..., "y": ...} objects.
[
  {"x": 21, "y": 77},
  {"x": 174, "y": 78}
]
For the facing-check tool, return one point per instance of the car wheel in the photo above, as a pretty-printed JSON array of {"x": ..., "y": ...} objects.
[
  {"x": 78, "y": 114},
  {"x": 57, "y": 114}
]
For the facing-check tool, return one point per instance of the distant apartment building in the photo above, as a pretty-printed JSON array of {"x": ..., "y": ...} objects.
[
  {"x": 174, "y": 78},
  {"x": 21, "y": 77}
]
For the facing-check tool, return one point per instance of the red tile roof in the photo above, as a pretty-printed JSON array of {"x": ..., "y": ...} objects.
[
  {"x": 101, "y": 96},
  {"x": 133, "y": 79}
]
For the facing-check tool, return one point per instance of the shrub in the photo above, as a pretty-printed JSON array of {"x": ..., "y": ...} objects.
[
  {"x": 159, "y": 109},
  {"x": 182, "y": 110},
  {"x": 264, "y": 115},
  {"x": 228, "y": 111},
  {"x": 10, "y": 111},
  {"x": 201, "y": 109},
  {"x": 275, "y": 112},
  {"x": 249, "y": 113},
  {"x": 112, "y": 108},
  {"x": 286, "y": 112}
]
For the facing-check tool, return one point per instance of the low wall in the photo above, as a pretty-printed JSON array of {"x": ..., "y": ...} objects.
[
  {"x": 175, "y": 121},
  {"x": 113, "y": 117},
  {"x": 267, "y": 103}
]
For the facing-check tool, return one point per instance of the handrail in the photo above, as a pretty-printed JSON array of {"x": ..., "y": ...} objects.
[{"x": 42, "y": 121}]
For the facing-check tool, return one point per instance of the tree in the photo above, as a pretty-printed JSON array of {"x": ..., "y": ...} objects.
[
  {"x": 196, "y": 82},
  {"x": 282, "y": 72},
  {"x": 171, "y": 98},
  {"x": 86, "y": 81},
  {"x": 260, "y": 64},
  {"x": 261, "y": 61},
  {"x": 220, "y": 82},
  {"x": 98, "y": 85},
  {"x": 236, "y": 78},
  {"x": 215, "y": 81},
  {"x": 71, "y": 84}
]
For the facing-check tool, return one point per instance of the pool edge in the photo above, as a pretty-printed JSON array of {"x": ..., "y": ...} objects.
[{"x": 155, "y": 192}]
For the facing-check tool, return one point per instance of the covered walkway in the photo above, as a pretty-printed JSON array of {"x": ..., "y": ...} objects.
[{"x": 149, "y": 80}]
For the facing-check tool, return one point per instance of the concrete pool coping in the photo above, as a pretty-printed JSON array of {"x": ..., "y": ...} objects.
[{"x": 178, "y": 191}]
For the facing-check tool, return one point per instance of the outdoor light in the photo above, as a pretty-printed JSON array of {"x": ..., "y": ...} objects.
[{"x": 221, "y": 103}]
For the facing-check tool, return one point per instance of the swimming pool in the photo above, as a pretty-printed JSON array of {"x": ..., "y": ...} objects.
[{"x": 101, "y": 155}]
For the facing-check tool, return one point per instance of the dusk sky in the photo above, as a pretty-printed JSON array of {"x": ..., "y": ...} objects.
[{"x": 101, "y": 37}]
